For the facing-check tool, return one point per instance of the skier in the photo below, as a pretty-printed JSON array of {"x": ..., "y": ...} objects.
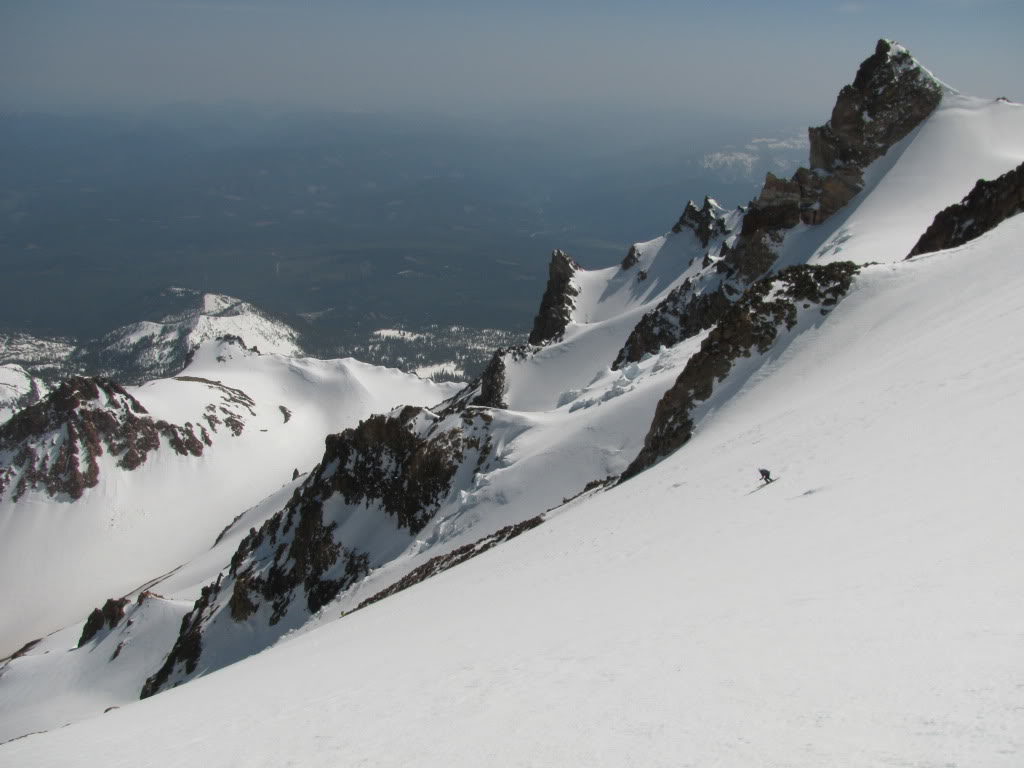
[{"x": 765, "y": 475}]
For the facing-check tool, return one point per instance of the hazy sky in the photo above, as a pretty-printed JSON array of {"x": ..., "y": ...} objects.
[{"x": 726, "y": 57}]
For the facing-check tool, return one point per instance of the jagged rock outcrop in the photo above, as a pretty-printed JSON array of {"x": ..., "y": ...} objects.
[
  {"x": 56, "y": 443},
  {"x": 492, "y": 383},
  {"x": 108, "y": 616},
  {"x": 678, "y": 316},
  {"x": 889, "y": 97},
  {"x": 751, "y": 324},
  {"x": 557, "y": 303},
  {"x": 706, "y": 222},
  {"x": 632, "y": 257},
  {"x": 399, "y": 466},
  {"x": 441, "y": 563},
  {"x": 986, "y": 206}
]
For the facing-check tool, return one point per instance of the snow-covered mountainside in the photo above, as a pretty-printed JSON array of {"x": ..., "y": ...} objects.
[
  {"x": 634, "y": 596},
  {"x": 149, "y": 350},
  {"x": 103, "y": 487}
]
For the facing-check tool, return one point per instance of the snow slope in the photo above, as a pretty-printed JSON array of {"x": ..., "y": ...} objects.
[
  {"x": 965, "y": 139},
  {"x": 863, "y": 610},
  {"x": 61, "y": 558}
]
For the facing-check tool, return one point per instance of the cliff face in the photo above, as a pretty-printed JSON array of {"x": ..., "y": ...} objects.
[
  {"x": 891, "y": 94},
  {"x": 55, "y": 444},
  {"x": 751, "y": 326},
  {"x": 986, "y": 206},
  {"x": 396, "y": 471},
  {"x": 681, "y": 315},
  {"x": 557, "y": 303},
  {"x": 705, "y": 222},
  {"x": 385, "y": 478},
  {"x": 889, "y": 97}
]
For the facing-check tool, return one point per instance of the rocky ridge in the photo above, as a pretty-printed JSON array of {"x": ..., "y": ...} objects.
[
  {"x": 557, "y": 303},
  {"x": 890, "y": 95},
  {"x": 987, "y": 205},
  {"x": 55, "y": 444},
  {"x": 751, "y": 325},
  {"x": 400, "y": 467},
  {"x": 391, "y": 471}
]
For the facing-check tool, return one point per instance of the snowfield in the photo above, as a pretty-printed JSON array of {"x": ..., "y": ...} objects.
[
  {"x": 62, "y": 559},
  {"x": 865, "y": 609}
]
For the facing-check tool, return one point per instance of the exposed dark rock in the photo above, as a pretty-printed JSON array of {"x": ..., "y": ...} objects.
[
  {"x": 436, "y": 565},
  {"x": 678, "y": 316},
  {"x": 189, "y": 645},
  {"x": 57, "y": 442},
  {"x": 823, "y": 194},
  {"x": 285, "y": 413},
  {"x": 402, "y": 464},
  {"x": 488, "y": 389},
  {"x": 229, "y": 395},
  {"x": 986, "y": 206},
  {"x": 750, "y": 324},
  {"x": 23, "y": 650},
  {"x": 492, "y": 383},
  {"x": 557, "y": 303},
  {"x": 107, "y": 616},
  {"x": 241, "y": 604},
  {"x": 705, "y": 222},
  {"x": 888, "y": 98},
  {"x": 632, "y": 258},
  {"x": 232, "y": 338},
  {"x": 295, "y": 474},
  {"x": 777, "y": 207}
]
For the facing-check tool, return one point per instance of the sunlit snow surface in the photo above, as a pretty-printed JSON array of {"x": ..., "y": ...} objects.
[
  {"x": 865, "y": 609},
  {"x": 60, "y": 558}
]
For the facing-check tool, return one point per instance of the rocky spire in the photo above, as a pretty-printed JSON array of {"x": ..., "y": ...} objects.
[
  {"x": 889, "y": 97},
  {"x": 891, "y": 94},
  {"x": 557, "y": 303},
  {"x": 705, "y": 222}
]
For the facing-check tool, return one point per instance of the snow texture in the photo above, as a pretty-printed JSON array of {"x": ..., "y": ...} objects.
[{"x": 863, "y": 609}]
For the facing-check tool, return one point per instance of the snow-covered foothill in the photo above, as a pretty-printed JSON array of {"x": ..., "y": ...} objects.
[
  {"x": 265, "y": 416},
  {"x": 149, "y": 349}
]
